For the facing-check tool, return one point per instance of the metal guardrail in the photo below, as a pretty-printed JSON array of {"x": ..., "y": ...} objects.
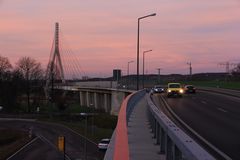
[{"x": 174, "y": 143}]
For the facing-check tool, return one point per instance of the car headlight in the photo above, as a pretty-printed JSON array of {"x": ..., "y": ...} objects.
[
  {"x": 181, "y": 90},
  {"x": 169, "y": 90}
]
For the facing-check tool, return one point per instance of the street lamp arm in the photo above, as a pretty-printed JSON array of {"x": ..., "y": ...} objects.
[
  {"x": 154, "y": 14},
  {"x": 147, "y": 51},
  {"x": 130, "y": 61}
]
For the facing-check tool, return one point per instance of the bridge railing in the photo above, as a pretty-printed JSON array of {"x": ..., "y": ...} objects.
[
  {"x": 174, "y": 143},
  {"x": 118, "y": 148}
]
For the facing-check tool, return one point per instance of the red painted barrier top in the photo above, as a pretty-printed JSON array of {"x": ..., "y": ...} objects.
[{"x": 121, "y": 149}]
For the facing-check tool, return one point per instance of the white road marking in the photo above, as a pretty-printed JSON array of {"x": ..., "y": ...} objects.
[
  {"x": 223, "y": 110},
  {"x": 22, "y": 148}
]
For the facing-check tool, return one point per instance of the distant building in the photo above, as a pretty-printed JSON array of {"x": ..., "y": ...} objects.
[{"x": 117, "y": 73}]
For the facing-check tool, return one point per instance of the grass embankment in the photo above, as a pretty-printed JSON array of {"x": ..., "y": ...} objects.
[
  {"x": 216, "y": 84},
  {"x": 11, "y": 141},
  {"x": 99, "y": 126}
]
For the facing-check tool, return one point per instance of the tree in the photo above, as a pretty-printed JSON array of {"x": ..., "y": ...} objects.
[
  {"x": 9, "y": 85},
  {"x": 31, "y": 71},
  {"x": 5, "y": 67},
  {"x": 236, "y": 72}
]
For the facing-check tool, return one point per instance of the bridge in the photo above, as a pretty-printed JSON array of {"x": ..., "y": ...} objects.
[{"x": 203, "y": 126}]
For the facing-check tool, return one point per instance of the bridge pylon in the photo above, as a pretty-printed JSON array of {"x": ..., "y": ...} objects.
[{"x": 55, "y": 72}]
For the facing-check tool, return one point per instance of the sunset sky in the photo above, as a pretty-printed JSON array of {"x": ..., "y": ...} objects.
[{"x": 102, "y": 34}]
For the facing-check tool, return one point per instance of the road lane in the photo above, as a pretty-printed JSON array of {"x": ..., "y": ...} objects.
[
  {"x": 215, "y": 117},
  {"x": 38, "y": 150},
  {"x": 74, "y": 142}
]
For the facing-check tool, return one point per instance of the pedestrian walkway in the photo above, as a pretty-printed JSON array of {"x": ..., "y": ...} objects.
[{"x": 142, "y": 145}]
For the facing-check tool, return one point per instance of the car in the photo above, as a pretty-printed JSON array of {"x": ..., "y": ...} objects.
[
  {"x": 189, "y": 89},
  {"x": 103, "y": 144},
  {"x": 1, "y": 107},
  {"x": 157, "y": 89},
  {"x": 174, "y": 89}
]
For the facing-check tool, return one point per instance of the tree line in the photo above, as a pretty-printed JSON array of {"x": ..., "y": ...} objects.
[{"x": 20, "y": 84}]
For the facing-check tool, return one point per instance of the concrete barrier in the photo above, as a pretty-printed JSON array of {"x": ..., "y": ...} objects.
[{"x": 118, "y": 148}]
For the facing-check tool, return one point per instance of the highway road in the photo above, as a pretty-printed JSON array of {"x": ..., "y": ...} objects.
[
  {"x": 44, "y": 147},
  {"x": 215, "y": 117}
]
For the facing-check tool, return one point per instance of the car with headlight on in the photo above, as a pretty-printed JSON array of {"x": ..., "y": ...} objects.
[
  {"x": 157, "y": 89},
  {"x": 103, "y": 144},
  {"x": 174, "y": 89},
  {"x": 189, "y": 89}
]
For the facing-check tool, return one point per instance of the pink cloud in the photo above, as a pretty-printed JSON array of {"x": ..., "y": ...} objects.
[{"x": 103, "y": 34}]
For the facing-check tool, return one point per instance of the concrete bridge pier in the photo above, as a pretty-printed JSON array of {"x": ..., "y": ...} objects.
[
  {"x": 96, "y": 106},
  {"x": 106, "y": 103},
  {"x": 88, "y": 99},
  {"x": 107, "y": 100},
  {"x": 81, "y": 98},
  {"x": 117, "y": 99}
]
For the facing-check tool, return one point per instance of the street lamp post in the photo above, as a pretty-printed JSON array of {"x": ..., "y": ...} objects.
[
  {"x": 154, "y": 14},
  {"x": 143, "y": 78},
  {"x": 190, "y": 69},
  {"x": 86, "y": 115},
  {"x": 159, "y": 71},
  {"x": 128, "y": 73}
]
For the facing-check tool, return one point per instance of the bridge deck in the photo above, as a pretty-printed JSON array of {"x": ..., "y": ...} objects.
[{"x": 142, "y": 146}]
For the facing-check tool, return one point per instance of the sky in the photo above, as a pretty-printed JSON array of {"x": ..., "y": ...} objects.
[{"x": 102, "y": 34}]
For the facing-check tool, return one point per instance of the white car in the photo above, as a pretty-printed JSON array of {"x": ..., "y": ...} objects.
[{"x": 103, "y": 144}]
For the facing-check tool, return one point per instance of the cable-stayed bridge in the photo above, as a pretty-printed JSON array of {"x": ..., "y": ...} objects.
[{"x": 200, "y": 126}]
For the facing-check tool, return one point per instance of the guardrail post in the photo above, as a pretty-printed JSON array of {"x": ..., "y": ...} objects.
[
  {"x": 177, "y": 154},
  {"x": 149, "y": 117},
  {"x": 157, "y": 133},
  {"x": 169, "y": 148},
  {"x": 162, "y": 141},
  {"x": 151, "y": 121},
  {"x": 154, "y": 127}
]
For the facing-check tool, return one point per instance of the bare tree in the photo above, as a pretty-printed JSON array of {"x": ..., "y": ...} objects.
[
  {"x": 31, "y": 70},
  {"x": 236, "y": 69},
  {"x": 5, "y": 66},
  {"x": 236, "y": 72}
]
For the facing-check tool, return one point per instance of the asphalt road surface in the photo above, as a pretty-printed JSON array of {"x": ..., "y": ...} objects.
[
  {"x": 44, "y": 147},
  {"x": 214, "y": 116}
]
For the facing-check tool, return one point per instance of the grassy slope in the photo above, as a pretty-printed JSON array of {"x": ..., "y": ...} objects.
[
  {"x": 11, "y": 141},
  {"x": 216, "y": 84}
]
